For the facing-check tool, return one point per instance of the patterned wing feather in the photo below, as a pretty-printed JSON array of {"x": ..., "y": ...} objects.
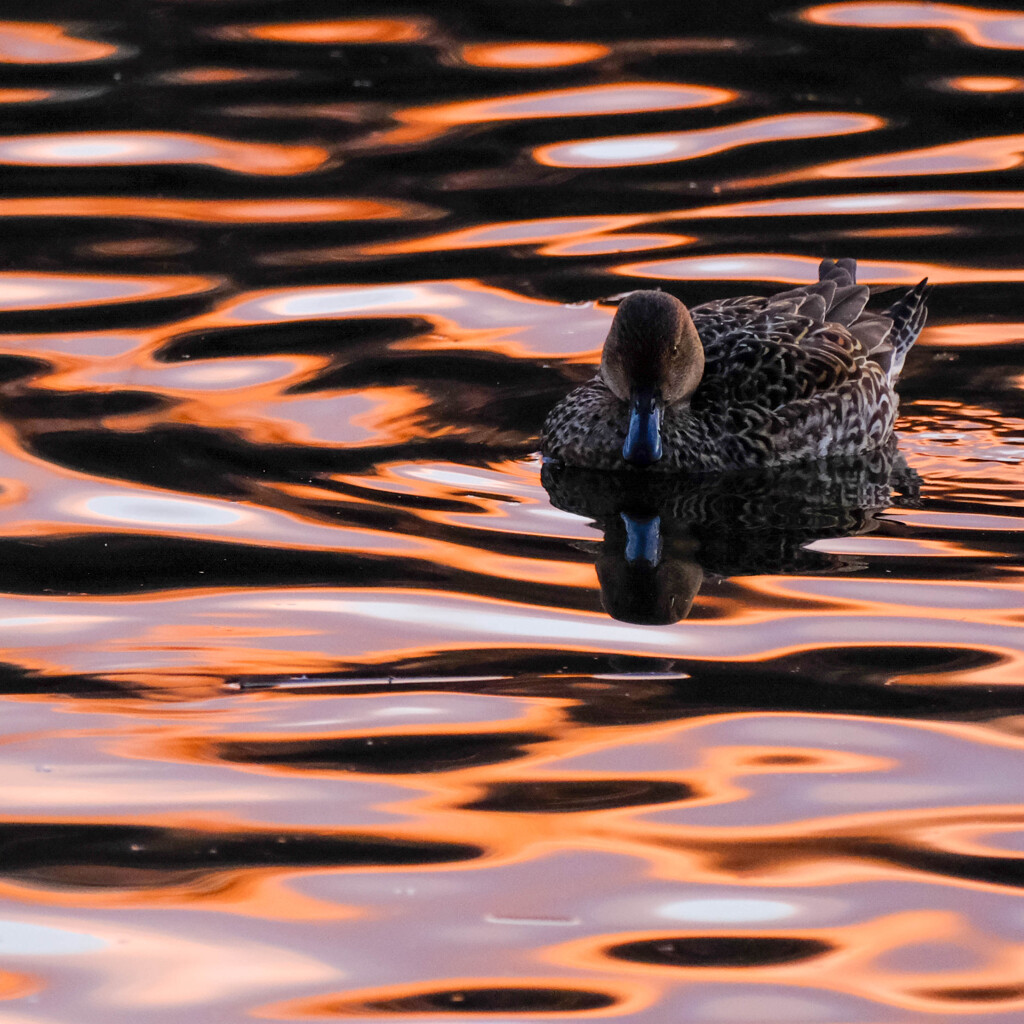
[{"x": 777, "y": 359}]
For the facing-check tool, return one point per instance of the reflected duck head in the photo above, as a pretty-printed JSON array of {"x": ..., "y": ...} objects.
[
  {"x": 652, "y": 358},
  {"x": 647, "y": 577}
]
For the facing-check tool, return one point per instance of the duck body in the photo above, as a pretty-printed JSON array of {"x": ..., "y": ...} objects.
[{"x": 742, "y": 383}]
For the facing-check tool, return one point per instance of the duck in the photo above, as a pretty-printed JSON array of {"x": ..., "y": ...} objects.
[{"x": 742, "y": 383}]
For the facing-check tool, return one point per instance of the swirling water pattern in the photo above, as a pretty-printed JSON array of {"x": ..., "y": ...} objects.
[{"x": 311, "y": 707}]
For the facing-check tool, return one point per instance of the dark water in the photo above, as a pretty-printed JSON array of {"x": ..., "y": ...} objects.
[{"x": 311, "y": 705}]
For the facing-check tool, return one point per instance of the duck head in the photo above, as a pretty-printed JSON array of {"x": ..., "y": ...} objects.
[{"x": 652, "y": 358}]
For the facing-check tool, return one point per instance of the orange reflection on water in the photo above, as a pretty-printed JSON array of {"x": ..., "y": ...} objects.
[
  {"x": 465, "y": 314},
  {"x": 215, "y": 75},
  {"x": 585, "y": 101},
  {"x": 968, "y": 469},
  {"x": 815, "y": 836},
  {"x": 984, "y": 83},
  {"x": 989, "y": 602},
  {"x": 917, "y": 231},
  {"x": 477, "y": 562},
  {"x": 328, "y": 32},
  {"x": 516, "y": 232},
  {"x": 17, "y": 986},
  {"x": 972, "y": 334},
  {"x": 174, "y": 966},
  {"x": 852, "y": 959},
  {"x": 966, "y": 431},
  {"x": 970, "y": 156},
  {"x": 420, "y": 124},
  {"x": 515, "y": 995},
  {"x": 400, "y": 624},
  {"x": 102, "y": 345},
  {"x": 58, "y": 291},
  {"x": 25, "y": 95},
  {"x": 992, "y": 604},
  {"x": 970, "y": 617},
  {"x": 134, "y": 248},
  {"x": 609, "y": 244},
  {"x": 899, "y": 547},
  {"x": 515, "y": 56},
  {"x": 757, "y": 266},
  {"x": 66, "y": 503},
  {"x": 369, "y": 416},
  {"x": 213, "y": 211},
  {"x": 961, "y": 521},
  {"x": 507, "y": 498},
  {"x": 128, "y": 148},
  {"x": 664, "y": 147},
  {"x": 993, "y": 29},
  {"x": 27, "y": 42},
  {"x": 863, "y": 203},
  {"x": 262, "y": 378},
  {"x": 208, "y": 75}
]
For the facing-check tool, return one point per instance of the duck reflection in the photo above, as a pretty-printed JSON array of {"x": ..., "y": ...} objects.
[{"x": 664, "y": 533}]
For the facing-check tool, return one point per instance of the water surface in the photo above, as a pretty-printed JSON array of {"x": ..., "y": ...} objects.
[{"x": 312, "y": 706}]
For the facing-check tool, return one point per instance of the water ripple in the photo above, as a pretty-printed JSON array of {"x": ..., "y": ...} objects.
[
  {"x": 972, "y": 25},
  {"x": 126, "y": 148},
  {"x": 664, "y": 147}
]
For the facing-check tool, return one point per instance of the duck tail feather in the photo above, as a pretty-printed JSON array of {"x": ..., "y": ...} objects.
[
  {"x": 874, "y": 332},
  {"x": 813, "y": 300},
  {"x": 848, "y": 304},
  {"x": 847, "y": 299},
  {"x": 850, "y": 266},
  {"x": 908, "y": 316},
  {"x": 815, "y": 307},
  {"x": 843, "y": 272}
]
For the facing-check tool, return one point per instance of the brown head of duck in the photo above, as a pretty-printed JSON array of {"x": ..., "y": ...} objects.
[{"x": 652, "y": 359}]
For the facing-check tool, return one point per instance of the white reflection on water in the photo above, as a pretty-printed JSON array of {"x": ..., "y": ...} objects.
[
  {"x": 130, "y": 148},
  {"x": 161, "y": 511},
  {"x": 72, "y": 501},
  {"x": 529, "y": 327},
  {"x": 726, "y": 911},
  {"x": 1001, "y": 30},
  {"x": 51, "y": 291},
  {"x": 511, "y": 621},
  {"x": 628, "y": 149},
  {"x": 219, "y": 375},
  {"x": 872, "y": 202},
  {"x": 328, "y": 301},
  {"x": 311, "y": 629},
  {"x": 617, "y": 151},
  {"x": 18, "y": 938},
  {"x": 65, "y": 622},
  {"x": 754, "y": 266}
]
